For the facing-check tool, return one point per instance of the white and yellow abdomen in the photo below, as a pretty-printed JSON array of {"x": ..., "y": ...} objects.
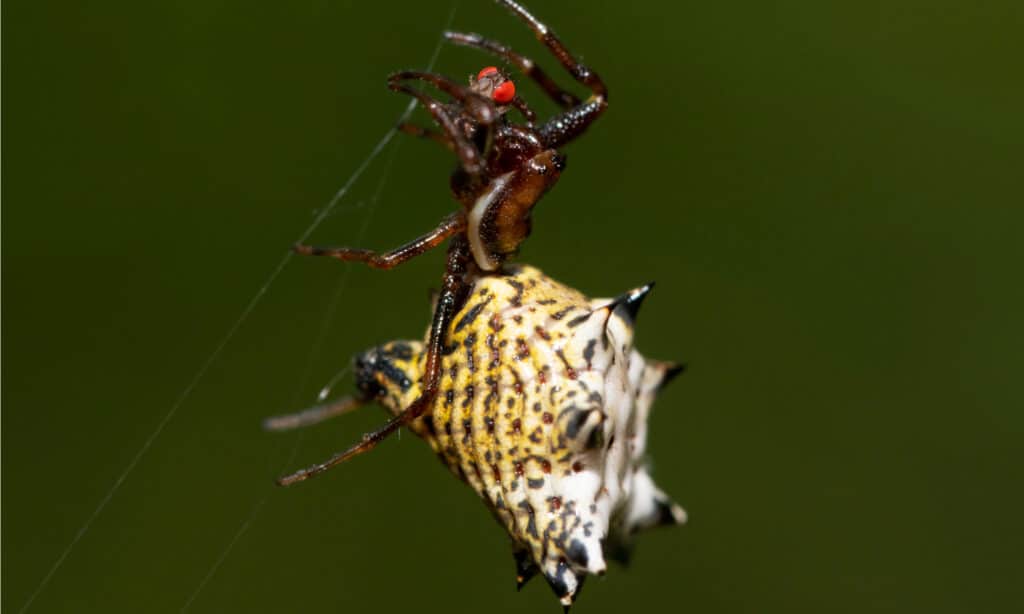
[{"x": 542, "y": 409}]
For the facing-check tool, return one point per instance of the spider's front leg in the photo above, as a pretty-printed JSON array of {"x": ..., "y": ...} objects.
[
  {"x": 528, "y": 67},
  {"x": 425, "y": 133},
  {"x": 453, "y": 295},
  {"x": 568, "y": 125},
  {"x": 451, "y": 225},
  {"x": 478, "y": 108}
]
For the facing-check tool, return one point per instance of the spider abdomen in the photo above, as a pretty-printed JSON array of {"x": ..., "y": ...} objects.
[{"x": 542, "y": 410}]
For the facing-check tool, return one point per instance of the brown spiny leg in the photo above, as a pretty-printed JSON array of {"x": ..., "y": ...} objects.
[
  {"x": 566, "y": 126},
  {"x": 478, "y": 111},
  {"x": 453, "y": 296},
  {"x": 467, "y": 153},
  {"x": 520, "y": 105},
  {"x": 562, "y": 98},
  {"x": 481, "y": 108},
  {"x": 425, "y": 133},
  {"x": 451, "y": 225}
]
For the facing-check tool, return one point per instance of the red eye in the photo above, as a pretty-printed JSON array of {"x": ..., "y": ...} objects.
[
  {"x": 486, "y": 72},
  {"x": 504, "y": 93}
]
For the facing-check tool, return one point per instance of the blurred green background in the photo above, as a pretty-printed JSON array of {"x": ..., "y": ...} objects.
[{"x": 828, "y": 194}]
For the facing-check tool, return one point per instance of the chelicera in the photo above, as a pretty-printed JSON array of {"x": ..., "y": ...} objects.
[{"x": 504, "y": 169}]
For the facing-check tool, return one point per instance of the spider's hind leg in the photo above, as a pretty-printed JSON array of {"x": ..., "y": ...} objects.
[{"x": 451, "y": 225}]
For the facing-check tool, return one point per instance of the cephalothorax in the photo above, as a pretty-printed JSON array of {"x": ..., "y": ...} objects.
[{"x": 542, "y": 409}]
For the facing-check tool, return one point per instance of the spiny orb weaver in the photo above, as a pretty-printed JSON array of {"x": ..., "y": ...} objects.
[{"x": 528, "y": 391}]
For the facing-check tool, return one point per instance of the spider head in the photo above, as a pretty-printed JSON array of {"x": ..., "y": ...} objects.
[{"x": 493, "y": 84}]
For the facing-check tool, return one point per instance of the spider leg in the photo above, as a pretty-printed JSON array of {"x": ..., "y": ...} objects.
[
  {"x": 451, "y": 225},
  {"x": 453, "y": 296},
  {"x": 313, "y": 415},
  {"x": 480, "y": 107},
  {"x": 565, "y": 127},
  {"x": 524, "y": 64},
  {"x": 425, "y": 133},
  {"x": 520, "y": 105},
  {"x": 562, "y": 98},
  {"x": 468, "y": 155},
  {"x": 568, "y": 125}
]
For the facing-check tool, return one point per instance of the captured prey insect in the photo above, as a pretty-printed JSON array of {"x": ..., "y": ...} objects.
[{"x": 527, "y": 390}]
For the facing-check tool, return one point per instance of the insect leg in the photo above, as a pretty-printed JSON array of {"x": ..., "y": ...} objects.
[
  {"x": 451, "y": 225},
  {"x": 453, "y": 296}
]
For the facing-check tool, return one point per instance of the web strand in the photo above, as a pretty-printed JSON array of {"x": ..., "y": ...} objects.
[
  {"x": 317, "y": 345},
  {"x": 215, "y": 354}
]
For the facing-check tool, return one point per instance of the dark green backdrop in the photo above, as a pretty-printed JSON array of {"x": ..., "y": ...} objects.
[{"x": 828, "y": 194}]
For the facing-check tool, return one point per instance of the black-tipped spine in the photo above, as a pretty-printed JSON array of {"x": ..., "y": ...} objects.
[
  {"x": 525, "y": 568},
  {"x": 672, "y": 371},
  {"x": 632, "y": 300}
]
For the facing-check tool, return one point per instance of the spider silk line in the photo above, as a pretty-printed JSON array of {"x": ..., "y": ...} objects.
[
  {"x": 315, "y": 348},
  {"x": 325, "y": 324},
  {"x": 219, "y": 349}
]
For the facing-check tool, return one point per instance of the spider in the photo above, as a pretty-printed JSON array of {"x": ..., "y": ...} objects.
[{"x": 504, "y": 170}]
